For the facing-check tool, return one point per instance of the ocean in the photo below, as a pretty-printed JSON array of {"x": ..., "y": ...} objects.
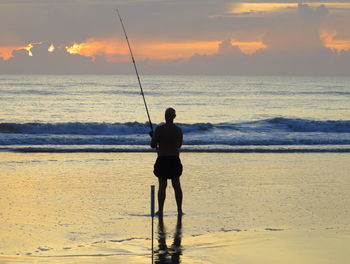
[{"x": 84, "y": 113}]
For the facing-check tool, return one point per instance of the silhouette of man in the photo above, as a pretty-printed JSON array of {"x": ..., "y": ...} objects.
[{"x": 167, "y": 138}]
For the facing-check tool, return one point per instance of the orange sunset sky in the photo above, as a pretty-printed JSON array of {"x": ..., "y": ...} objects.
[{"x": 186, "y": 37}]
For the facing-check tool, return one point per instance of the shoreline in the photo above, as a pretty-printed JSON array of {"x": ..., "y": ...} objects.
[{"x": 186, "y": 149}]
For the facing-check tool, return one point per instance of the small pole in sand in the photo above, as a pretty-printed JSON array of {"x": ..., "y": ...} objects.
[{"x": 152, "y": 215}]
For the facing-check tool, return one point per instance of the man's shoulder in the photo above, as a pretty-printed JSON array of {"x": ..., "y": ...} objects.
[
  {"x": 160, "y": 127},
  {"x": 178, "y": 127},
  {"x": 178, "y": 130},
  {"x": 165, "y": 127}
]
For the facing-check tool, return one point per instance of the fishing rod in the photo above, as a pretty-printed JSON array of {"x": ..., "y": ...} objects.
[{"x": 137, "y": 73}]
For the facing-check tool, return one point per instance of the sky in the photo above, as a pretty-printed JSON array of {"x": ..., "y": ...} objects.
[{"x": 175, "y": 37}]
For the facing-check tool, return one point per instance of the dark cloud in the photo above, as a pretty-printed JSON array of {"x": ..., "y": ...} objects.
[
  {"x": 293, "y": 45},
  {"x": 300, "y": 32},
  {"x": 65, "y": 21},
  {"x": 228, "y": 60},
  {"x": 226, "y": 48},
  {"x": 68, "y": 21}
]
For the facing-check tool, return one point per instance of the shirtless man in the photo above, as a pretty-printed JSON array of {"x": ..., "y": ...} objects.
[{"x": 167, "y": 139}]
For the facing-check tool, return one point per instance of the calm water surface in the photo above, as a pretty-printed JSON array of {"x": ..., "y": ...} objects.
[{"x": 213, "y": 99}]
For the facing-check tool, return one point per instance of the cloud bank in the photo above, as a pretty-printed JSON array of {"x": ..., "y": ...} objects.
[{"x": 298, "y": 41}]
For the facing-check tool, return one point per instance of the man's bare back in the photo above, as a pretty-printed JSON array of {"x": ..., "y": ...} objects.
[{"x": 168, "y": 139}]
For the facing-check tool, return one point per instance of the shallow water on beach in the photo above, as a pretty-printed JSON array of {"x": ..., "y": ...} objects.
[{"x": 86, "y": 207}]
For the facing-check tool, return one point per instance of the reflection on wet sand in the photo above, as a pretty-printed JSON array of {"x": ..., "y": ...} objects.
[{"x": 165, "y": 254}]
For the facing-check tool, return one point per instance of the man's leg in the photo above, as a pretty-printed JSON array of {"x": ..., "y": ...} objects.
[
  {"x": 161, "y": 195},
  {"x": 178, "y": 193}
]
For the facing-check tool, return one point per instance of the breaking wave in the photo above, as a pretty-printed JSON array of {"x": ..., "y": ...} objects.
[
  {"x": 130, "y": 128},
  {"x": 268, "y": 132}
]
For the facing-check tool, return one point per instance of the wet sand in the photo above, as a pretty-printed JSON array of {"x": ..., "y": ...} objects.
[
  {"x": 289, "y": 246},
  {"x": 240, "y": 208}
]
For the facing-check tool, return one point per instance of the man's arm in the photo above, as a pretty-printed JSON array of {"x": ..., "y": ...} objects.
[
  {"x": 180, "y": 138},
  {"x": 154, "y": 141}
]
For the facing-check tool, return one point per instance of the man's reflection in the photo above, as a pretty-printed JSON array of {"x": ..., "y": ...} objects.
[{"x": 172, "y": 254}]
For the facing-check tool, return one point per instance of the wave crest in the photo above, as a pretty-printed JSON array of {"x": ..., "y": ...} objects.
[
  {"x": 304, "y": 125},
  {"x": 278, "y": 124}
]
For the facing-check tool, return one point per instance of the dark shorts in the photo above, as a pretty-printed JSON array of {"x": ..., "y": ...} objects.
[{"x": 168, "y": 167}]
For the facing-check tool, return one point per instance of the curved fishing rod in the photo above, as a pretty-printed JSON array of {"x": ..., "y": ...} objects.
[{"x": 137, "y": 73}]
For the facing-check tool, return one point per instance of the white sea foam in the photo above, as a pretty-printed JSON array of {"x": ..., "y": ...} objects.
[{"x": 133, "y": 136}]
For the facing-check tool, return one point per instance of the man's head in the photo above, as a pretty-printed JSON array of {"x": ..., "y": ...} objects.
[{"x": 170, "y": 114}]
